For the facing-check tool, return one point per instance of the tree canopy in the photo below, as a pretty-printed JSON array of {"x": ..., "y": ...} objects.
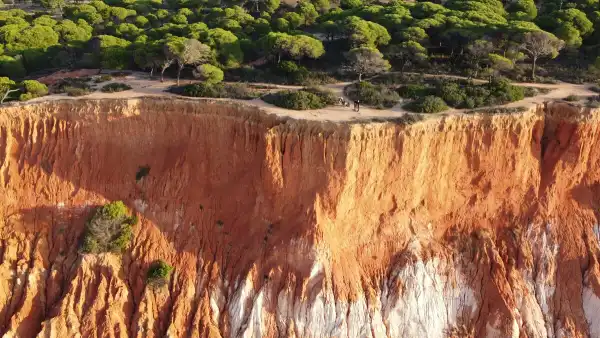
[{"x": 462, "y": 34}]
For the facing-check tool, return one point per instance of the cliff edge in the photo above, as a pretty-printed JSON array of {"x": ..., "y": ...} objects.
[{"x": 455, "y": 226}]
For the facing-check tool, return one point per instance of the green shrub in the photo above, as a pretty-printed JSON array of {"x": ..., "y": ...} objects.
[
  {"x": 379, "y": 96},
  {"x": 287, "y": 67},
  {"x": 462, "y": 94},
  {"x": 77, "y": 91},
  {"x": 228, "y": 90},
  {"x": 297, "y": 100},
  {"x": 198, "y": 90},
  {"x": 476, "y": 96},
  {"x": 346, "y": 4},
  {"x": 413, "y": 91},
  {"x": 452, "y": 93},
  {"x": 398, "y": 79},
  {"x": 32, "y": 89},
  {"x": 505, "y": 92},
  {"x": 158, "y": 273},
  {"x": 115, "y": 87},
  {"x": 326, "y": 95},
  {"x": 35, "y": 88},
  {"x": 209, "y": 74},
  {"x": 240, "y": 91},
  {"x": 26, "y": 96},
  {"x": 300, "y": 77},
  {"x": 531, "y": 91},
  {"x": 109, "y": 229},
  {"x": 262, "y": 86},
  {"x": 103, "y": 78},
  {"x": 572, "y": 98},
  {"x": 429, "y": 105},
  {"x": 73, "y": 87}
]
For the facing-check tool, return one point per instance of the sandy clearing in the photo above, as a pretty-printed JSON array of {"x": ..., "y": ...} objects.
[{"x": 143, "y": 86}]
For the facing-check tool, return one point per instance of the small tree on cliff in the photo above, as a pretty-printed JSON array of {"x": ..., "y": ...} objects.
[
  {"x": 109, "y": 230},
  {"x": 158, "y": 274}
]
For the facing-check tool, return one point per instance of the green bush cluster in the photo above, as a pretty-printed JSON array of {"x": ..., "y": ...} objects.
[
  {"x": 300, "y": 75},
  {"x": 220, "y": 90},
  {"x": 158, "y": 273},
  {"x": 428, "y": 105},
  {"x": 77, "y": 91},
  {"x": 467, "y": 95},
  {"x": 572, "y": 98},
  {"x": 379, "y": 96},
  {"x": 73, "y": 86},
  {"x": 327, "y": 96},
  {"x": 413, "y": 91},
  {"x": 103, "y": 78},
  {"x": 297, "y": 100},
  {"x": 32, "y": 89},
  {"x": 115, "y": 87},
  {"x": 109, "y": 230},
  {"x": 286, "y": 72},
  {"x": 209, "y": 74}
]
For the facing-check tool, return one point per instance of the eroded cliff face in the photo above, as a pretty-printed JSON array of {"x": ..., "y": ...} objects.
[{"x": 459, "y": 226}]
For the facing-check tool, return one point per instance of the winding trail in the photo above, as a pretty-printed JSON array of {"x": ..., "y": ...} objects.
[{"x": 143, "y": 86}]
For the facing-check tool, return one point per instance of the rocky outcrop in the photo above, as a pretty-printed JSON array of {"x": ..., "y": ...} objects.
[{"x": 455, "y": 226}]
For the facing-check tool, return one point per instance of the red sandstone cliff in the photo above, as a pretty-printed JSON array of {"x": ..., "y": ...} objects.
[{"x": 459, "y": 226}]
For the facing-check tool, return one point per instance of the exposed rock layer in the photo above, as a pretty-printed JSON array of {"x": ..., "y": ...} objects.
[{"x": 461, "y": 226}]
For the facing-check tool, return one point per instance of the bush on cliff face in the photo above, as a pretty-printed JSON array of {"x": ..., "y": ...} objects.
[
  {"x": 158, "y": 274},
  {"x": 109, "y": 230},
  {"x": 297, "y": 100}
]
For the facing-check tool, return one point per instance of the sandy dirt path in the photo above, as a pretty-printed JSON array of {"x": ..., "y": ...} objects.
[{"x": 143, "y": 86}]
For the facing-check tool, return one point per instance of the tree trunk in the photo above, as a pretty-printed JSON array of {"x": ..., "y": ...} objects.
[
  {"x": 359, "y": 77},
  {"x": 533, "y": 69},
  {"x": 178, "y": 73},
  {"x": 151, "y": 72},
  {"x": 6, "y": 94},
  {"x": 162, "y": 74},
  {"x": 402, "y": 68},
  {"x": 278, "y": 57}
]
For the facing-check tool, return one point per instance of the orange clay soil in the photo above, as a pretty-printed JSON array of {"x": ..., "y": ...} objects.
[{"x": 455, "y": 226}]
